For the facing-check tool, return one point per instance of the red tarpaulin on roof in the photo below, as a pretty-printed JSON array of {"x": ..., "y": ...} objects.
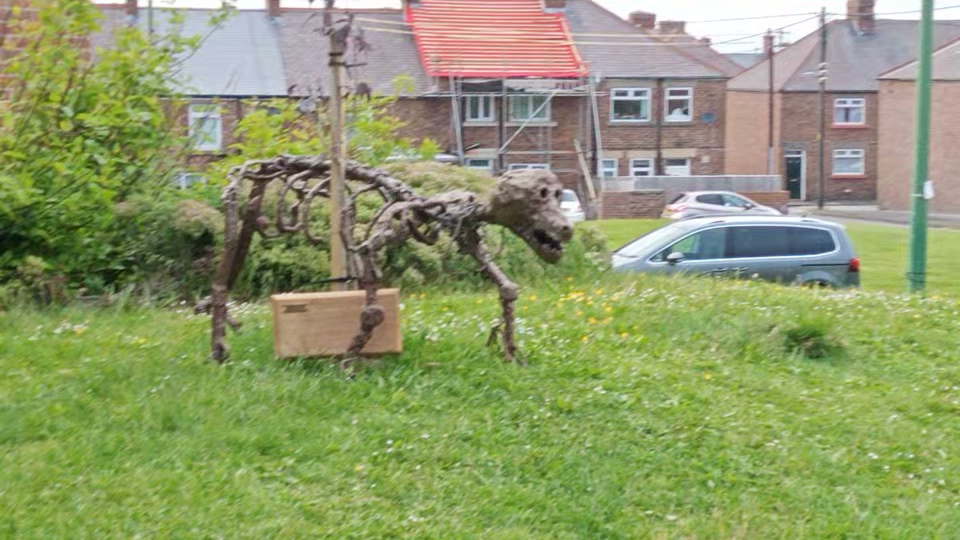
[{"x": 493, "y": 38}]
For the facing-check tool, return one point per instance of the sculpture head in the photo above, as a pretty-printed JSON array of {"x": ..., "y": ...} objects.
[{"x": 528, "y": 203}]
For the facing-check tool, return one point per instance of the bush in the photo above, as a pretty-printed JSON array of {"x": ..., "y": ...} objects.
[{"x": 810, "y": 338}]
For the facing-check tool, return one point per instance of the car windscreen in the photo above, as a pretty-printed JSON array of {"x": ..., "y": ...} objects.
[
  {"x": 654, "y": 239},
  {"x": 568, "y": 196}
]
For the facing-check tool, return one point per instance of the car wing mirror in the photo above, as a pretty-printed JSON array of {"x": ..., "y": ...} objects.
[
  {"x": 674, "y": 258},
  {"x": 748, "y": 206}
]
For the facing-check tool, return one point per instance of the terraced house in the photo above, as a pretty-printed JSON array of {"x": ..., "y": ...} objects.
[
  {"x": 501, "y": 84},
  {"x": 860, "y": 48}
]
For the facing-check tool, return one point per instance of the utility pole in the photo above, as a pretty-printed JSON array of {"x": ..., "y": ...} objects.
[
  {"x": 917, "y": 268},
  {"x": 768, "y": 46},
  {"x": 822, "y": 73},
  {"x": 338, "y": 158}
]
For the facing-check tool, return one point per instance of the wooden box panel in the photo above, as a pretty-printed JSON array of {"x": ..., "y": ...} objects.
[{"x": 324, "y": 324}]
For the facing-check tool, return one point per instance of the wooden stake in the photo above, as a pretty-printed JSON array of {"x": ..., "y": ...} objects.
[{"x": 338, "y": 158}]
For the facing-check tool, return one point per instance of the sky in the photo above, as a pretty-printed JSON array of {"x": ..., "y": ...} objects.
[{"x": 728, "y": 36}]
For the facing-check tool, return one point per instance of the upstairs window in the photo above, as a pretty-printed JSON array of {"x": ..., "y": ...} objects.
[
  {"x": 484, "y": 164},
  {"x": 609, "y": 168},
  {"x": 676, "y": 167},
  {"x": 849, "y": 162},
  {"x": 206, "y": 127},
  {"x": 479, "y": 108},
  {"x": 529, "y": 166},
  {"x": 630, "y": 105},
  {"x": 533, "y": 108},
  {"x": 679, "y": 105},
  {"x": 849, "y": 112}
]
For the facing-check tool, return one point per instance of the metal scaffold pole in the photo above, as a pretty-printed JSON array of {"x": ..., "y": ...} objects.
[{"x": 917, "y": 270}]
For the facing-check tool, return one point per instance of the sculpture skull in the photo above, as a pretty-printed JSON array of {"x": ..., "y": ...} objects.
[{"x": 528, "y": 203}]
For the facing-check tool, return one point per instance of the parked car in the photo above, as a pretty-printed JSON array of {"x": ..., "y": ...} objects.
[
  {"x": 698, "y": 203},
  {"x": 780, "y": 249},
  {"x": 570, "y": 204}
]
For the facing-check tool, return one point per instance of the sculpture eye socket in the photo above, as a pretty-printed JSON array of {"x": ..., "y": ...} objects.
[
  {"x": 559, "y": 194},
  {"x": 544, "y": 193}
]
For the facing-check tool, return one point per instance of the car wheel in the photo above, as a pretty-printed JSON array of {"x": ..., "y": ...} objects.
[{"x": 817, "y": 285}]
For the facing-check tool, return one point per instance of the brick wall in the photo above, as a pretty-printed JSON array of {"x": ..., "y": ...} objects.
[
  {"x": 701, "y": 140},
  {"x": 773, "y": 199},
  {"x": 632, "y": 204},
  {"x": 747, "y": 126},
  {"x": 897, "y": 140}
]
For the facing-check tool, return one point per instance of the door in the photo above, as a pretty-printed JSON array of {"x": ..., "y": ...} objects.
[
  {"x": 796, "y": 173},
  {"x": 703, "y": 253}
]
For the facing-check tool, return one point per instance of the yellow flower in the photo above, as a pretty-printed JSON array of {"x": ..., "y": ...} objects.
[
  {"x": 358, "y": 468},
  {"x": 584, "y": 339},
  {"x": 608, "y": 309},
  {"x": 569, "y": 278},
  {"x": 79, "y": 329},
  {"x": 599, "y": 292},
  {"x": 624, "y": 335},
  {"x": 591, "y": 320},
  {"x": 533, "y": 298},
  {"x": 422, "y": 296},
  {"x": 708, "y": 376},
  {"x": 589, "y": 302},
  {"x": 579, "y": 314}
]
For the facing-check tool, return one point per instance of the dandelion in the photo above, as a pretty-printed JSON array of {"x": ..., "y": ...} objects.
[
  {"x": 358, "y": 468},
  {"x": 624, "y": 335},
  {"x": 533, "y": 298},
  {"x": 599, "y": 292},
  {"x": 569, "y": 278},
  {"x": 584, "y": 339},
  {"x": 608, "y": 309},
  {"x": 708, "y": 376},
  {"x": 579, "y": 314},
  {"x": 422, "y": 296},
  {"x": 591, "y": 320}
]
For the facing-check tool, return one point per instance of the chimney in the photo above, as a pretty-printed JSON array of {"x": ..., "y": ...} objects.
[
  {"x": 273, "y": 8},
  {"x": 555, "y": 5},
  {"x": 132, "y": 9},
  {"x": 674, "y": 28},
  {"x": 862, "y": 14},
  {"x": 644, "y": 20},
  {"x": 768, "y": 44},
  {"x": 706, "y": 41}
]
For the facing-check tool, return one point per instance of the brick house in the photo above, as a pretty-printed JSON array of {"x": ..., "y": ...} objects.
[
  {"x": 492, "y": 95},
  {"x": 897, "y": 100},
  {"x": 860, "y": 48}
]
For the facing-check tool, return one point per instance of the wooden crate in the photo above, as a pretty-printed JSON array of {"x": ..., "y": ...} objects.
[{"x": 324, "y": 324}]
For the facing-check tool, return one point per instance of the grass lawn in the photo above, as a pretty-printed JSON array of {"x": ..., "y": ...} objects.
[
  {"x": 883, "y": 252},
  {"x": 644, "y": 413}
]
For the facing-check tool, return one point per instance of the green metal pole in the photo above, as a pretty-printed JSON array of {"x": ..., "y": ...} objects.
[{"x": 917, "y": 271}]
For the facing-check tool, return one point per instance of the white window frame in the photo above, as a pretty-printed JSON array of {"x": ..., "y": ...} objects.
[
  {"x": 609, "y": 165},
  {"x": 528, "y": 166},
  {"x": 202, "y": 112},
  {"x": 688, "y": 168},
  {"x": 850, "y": 104},
  {"x": 543, "y": 115},
  {"x": 186, "y": 179},
  {"x": 849, "y": 153},
  {"x": 635, "y": 167},
  {"x": 482, "y": 112},
  {"x": 666, "y": 104},
  {"x": 642, "y": 95},
  {"x": 488, "y": 167}
]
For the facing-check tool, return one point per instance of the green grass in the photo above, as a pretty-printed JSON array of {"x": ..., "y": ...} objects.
[
  {"x": 883, "y": 252},
  {"x": 644, "y": 414}
]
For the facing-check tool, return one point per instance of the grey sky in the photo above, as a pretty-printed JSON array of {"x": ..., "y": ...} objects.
[{"x": 731, "y": 36}]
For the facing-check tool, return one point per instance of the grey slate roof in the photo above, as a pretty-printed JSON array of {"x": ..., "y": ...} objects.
[
  {"x": 946, "y": 66},
  {"x": 745, "y": 60},
  {"x": 240, "y": 57},
  {"x": 613, "y": 61},
  {"x": 855, "y": 61},
  {"x": 391, "y": 54}
]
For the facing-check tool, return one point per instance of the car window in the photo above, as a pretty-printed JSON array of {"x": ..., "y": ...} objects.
[
  {"x": 678, "y": 198},
  {"x": 568, "y": 196},
  {"x": 704, "y": 245},
  {"x": 806, "y": 241},
  {"x": 655, "y": 239},
  {"x": 752, "y": 242},
  {"x": 710, "y": 199},
  {"x": 733, "y": 200}
]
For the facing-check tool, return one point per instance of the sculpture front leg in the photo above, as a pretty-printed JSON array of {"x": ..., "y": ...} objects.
[{"x": 371, "y": 317}]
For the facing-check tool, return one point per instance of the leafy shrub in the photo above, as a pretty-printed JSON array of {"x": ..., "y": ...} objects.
[{"x": 810, "y": 337}]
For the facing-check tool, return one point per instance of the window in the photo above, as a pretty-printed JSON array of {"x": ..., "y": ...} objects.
[
  {"x": 713, "y": 198},
  {"x": 630, "y": 105},
  {"x": 805, "y": 241},
  {"x": 479, "y": 108},
  {"x": 206, "y": 128},
  {"x": 187, "y": 179},
  {"x": 848, "y": 162},
  {"x": 529, "y": 166},
  {"x": 753, "y": 242},
  {"x": 609, "y": 168},
  {"x": 679, "y": 105},
  {"x": 736, "y": 202},
  {"x": 641, "y": 167},
  {"x": 704, "y": 245},
  {"x": 849, "y": 112},
  {"x": 676, "y": 167},
  {"x": 523, "y": 108},
  {"x": 485, "y": 164}
]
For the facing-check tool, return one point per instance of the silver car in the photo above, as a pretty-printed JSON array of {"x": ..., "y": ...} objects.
[
  {"x": 697, "y": 203},
  {"x": 571, "y": 207},
  {"x": 780, "y": 249}
]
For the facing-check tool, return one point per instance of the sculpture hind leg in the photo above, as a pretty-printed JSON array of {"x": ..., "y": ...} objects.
[{"x": 373, "y": 313}]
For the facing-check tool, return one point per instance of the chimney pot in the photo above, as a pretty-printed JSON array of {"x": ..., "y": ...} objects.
[
  {"x": 644, "y": 20},
  {"x": 273, "y": 8},
  {"x": 555, "y": 5},
  {"x": 673, "y": 27},
  {"x": 863, "y": 15}
]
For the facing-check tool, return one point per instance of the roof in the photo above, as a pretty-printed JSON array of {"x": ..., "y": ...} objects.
[
  {"x": 855, "y": 60},
  {"x": 389, "y": 55},
  {"x": 946, "y": 66},
  {"x": 239, "y": 57},
  {"x": 745, "y": 60},
  {"x": 493, "y": 38},
  {"x": 652, "y": 59},
  {"x": 703, "y": 52}
]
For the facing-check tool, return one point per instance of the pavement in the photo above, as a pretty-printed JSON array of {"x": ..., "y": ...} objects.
[{"x": 872, "y": 214}]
